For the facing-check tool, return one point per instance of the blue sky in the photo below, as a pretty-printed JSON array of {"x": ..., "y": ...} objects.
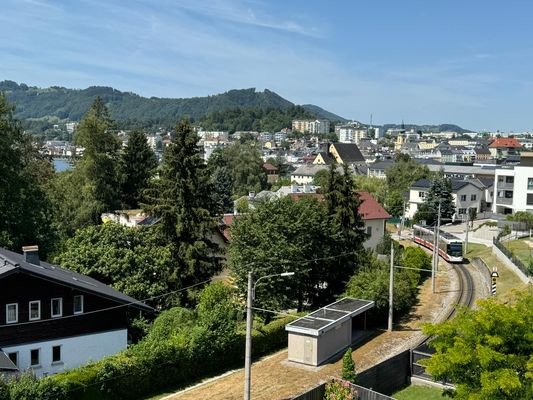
[{"x": 464, "y": 62}]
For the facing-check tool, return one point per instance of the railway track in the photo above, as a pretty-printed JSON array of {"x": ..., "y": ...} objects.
[{"x": 465, "y": 298}]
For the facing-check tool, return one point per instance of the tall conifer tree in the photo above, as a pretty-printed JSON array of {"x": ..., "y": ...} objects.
[
  {"x": 181, "y": 199},
  {"x": 136, "y": 166}
]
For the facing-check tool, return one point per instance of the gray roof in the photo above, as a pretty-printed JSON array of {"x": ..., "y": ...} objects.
[
  {"x": 330, "y": 316},
  {"x": 309, "y": 169},
  {"x": 381, "y": 165},
  {"x": 349, "y": 152},
  {"x": 462, "y": 169},
  {"x": 457, "y": 184},
  {"x": 11, "y": 262}
]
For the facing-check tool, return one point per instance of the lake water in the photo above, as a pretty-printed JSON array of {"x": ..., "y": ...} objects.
[{"x": 61, "y": 165}]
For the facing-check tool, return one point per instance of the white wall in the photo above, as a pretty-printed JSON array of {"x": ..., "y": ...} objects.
[
  {"x": 75, "y": 351},
  {"x": 378, "y": 231}
]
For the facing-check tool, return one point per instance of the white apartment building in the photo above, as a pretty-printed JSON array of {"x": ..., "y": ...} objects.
[
  {"x": 513, "y": 187},
  {"x": 351, "y": 134},
  {"x": 319, "y": 126}
]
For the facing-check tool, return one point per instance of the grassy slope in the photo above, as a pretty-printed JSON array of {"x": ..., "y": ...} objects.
[
  {"x": 414, "y": 392},
  {"x": 508, "y": 282}
]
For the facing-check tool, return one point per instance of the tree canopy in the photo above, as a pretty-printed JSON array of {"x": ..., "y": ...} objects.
[
  {"x": 440, "y": 193},
  {"x": 488, "y": 352}
]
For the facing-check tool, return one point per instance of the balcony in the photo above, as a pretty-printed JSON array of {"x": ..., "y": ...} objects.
[
  {"x": 504, "y": 200},
  {"x": 505, "y": 185}
]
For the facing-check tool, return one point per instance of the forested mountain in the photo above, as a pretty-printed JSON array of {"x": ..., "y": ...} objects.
[{"x": 58, "y": 104}]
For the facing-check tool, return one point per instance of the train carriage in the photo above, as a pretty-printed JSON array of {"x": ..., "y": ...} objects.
[{"x": 450, "y": 246}]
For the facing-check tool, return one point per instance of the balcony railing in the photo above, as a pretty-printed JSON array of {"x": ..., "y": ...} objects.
[
  {"x": 505, "y": 185},
  {"x": 504, "y": 200}
]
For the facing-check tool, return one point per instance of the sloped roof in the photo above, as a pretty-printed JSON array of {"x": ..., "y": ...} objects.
[
  {"x": 349, "y": 152},
  {"x": 457, "y": 184},
  {"x": 308, "y": 169},
  {"x": 11, "y": 262},
  {"x": 370, "y": 208},
  {"x": 481, "y": 150},
  {"x": 269, "y": 167},
  {"x": 381, "y": 165},
  {"x": 328, "y": 159},
  {"x": 505, "y": 142},
  {"x": 6, "y": 364}
]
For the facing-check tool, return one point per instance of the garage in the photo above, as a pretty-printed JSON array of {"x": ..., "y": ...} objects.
[{"x": 319, "y": 336}]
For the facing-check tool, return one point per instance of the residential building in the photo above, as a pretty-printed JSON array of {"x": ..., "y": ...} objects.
[
  {"x": 502, "y": 148},
  {"x": 513, "y": 187},
  {"x": 466, "y": 194},
  {"x": 272, "y": 172},
  {"x": 346, "y": 153},
  {"x": 53, "y": 319},
  {"x": 351, "y": 133},
  {"x": 379, "y": 168},
  {"x": 319, "y": 126},
  {"x": 482, "y": 153},
  {"x": 305, "y": 174},
  {"x": 374, "y": 217}
]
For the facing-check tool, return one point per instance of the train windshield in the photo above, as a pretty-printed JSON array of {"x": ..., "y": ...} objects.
[{"x": 455, "y": 249}]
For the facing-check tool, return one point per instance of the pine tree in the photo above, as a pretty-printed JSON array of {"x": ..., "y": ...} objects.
[
  {"x": 181, "y": 199},
  {"x": 348, "y": 367},
  {"x": 440, "y": 191},
  {"x": 98, "y": 163},
  {"x": 136, "y": 165},
  {"x": 343, "y": 205}
]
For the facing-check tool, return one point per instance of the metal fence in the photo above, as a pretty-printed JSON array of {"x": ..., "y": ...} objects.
[
  {"x": 318, "y": 393},
  {"x": 509, "y": 254}
]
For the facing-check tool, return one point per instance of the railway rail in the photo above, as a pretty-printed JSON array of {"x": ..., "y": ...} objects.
[{"x": 465, "y": 298}]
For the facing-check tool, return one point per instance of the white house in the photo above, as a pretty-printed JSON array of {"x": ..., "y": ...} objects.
[
  {"x": 466, "y": 194},
  {"x": 513, "y": 187}
]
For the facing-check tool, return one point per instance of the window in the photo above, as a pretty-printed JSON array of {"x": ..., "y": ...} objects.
[
  {"x": 35, "y": 359},
  {"x": 35, "y": 310},
  {"x": 473, "y": 197},
  {"x": 421, "y": 194},
  {"x": 462, "y": 211},
  {"x": 463, "y": 197},
  {"x": 509, "y": 179},
  {"x": 78, "y": 304},
  {"x": 529, "y": 183},
  {"x": 57, "y": 307},
  {"x": 14, "y": 357},
  {"x": 529, "y": 200},
  {"x": 369, "y": 230},
  {"x": 12, "y": 313},
  {"x": 56, "y": 354}
]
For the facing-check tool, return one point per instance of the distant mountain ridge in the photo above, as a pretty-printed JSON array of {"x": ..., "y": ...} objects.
[
  {"x": 427, "y": 128},
  {"x": 59, "y": 103}
]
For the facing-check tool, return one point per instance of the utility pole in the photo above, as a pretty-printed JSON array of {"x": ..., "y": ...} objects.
[
  {"x": 391, "y": 284},
  {"x": 435, "y": 250},
  {"x": 401, "y": 221},
  {"x": 248, "y": 351},
  {"x": 467, "y": 229}
]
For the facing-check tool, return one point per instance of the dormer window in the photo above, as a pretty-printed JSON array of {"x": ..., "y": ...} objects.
[
  {"x": 12, "y": 313},
  {"x": 35, "y": 310},
  {"x": 57, "y": 307},
  {"x": 78, "y": 304}
]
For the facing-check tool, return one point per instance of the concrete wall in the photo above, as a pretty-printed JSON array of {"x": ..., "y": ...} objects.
[
  {"x": 334, "y": 340},
  {"x": 297, "y": 345},
  {"x": 75, "y": 351}
]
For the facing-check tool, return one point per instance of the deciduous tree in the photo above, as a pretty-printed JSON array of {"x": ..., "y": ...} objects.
[{"x": 487, "y": 352}]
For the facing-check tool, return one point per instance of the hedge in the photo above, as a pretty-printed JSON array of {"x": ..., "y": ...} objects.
[{"x": 151, "y": 366}]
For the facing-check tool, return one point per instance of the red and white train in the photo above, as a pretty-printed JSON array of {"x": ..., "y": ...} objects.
[{"x": 450, "y": 246}]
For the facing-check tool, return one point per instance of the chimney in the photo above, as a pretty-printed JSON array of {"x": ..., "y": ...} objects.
[
  {"x": 251, "y": 195},
  {"x": 31, "y": 254}
]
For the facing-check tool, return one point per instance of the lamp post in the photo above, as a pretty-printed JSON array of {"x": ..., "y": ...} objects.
[{"x": 249, "y": 324}]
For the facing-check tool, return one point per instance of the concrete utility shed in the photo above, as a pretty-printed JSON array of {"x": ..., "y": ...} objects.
[{"x": 320, "y": 335}]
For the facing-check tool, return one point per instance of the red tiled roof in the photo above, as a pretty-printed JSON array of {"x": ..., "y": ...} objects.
[
  {"x": 269, "y": 167},
  {"x": 505, "y": 142},
  {"x": 370, "y": 208},
  {"x": 227, "y": 220}
]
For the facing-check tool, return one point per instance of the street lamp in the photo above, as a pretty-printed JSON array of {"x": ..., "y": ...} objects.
[{"x": 249, "y": 323}]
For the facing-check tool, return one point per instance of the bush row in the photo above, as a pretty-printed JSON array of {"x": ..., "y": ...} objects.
[{"x": 152, "y": 365}]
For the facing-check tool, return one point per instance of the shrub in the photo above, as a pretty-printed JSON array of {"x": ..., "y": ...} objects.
[
  {"x": 340, "y": 390},
  {"x": 348, "y": 367}
]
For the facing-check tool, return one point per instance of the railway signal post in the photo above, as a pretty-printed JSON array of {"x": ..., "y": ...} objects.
[{"x": 494, "y": 275}]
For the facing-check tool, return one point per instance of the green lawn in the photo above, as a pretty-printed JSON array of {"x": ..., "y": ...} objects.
[
  {"x": 508, "y": 281},
  {"x": 415, "y": 392},
  {"x": 521, "y": 249}
]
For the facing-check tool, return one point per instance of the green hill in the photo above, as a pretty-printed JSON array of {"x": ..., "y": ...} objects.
[{"x": 58, "y": 104}]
